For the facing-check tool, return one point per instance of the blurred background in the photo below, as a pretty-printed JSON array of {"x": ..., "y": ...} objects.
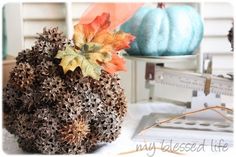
[{"x": 22, "y": 21}]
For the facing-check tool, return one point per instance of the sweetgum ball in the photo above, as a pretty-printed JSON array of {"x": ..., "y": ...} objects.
[{"x": 55, "y": 113}]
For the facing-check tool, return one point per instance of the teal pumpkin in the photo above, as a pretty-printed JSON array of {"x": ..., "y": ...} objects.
[{"x": 176, "y": 30}]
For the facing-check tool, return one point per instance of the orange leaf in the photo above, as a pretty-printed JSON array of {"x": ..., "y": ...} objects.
[
  {"x": 100, "y": 46},
  {"x": 99, "y": 24},
  {"x": 118, "y": 40},
  {"x": 122, "y": 40},
  {"x": 116, "y": 64}
]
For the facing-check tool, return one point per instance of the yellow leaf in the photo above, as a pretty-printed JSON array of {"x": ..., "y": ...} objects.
[
  {"x": 79, "y": 37},
  {"x": 90, "y": 69},
  {"x": 71, "y": 59},
  {"x": 99, "y": 57},
  {"x": 96, "y": 52},
  {"x": 90, "y": 47}
]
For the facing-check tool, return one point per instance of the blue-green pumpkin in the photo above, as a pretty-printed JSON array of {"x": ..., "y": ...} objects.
[{"x": 172, "y": 31}]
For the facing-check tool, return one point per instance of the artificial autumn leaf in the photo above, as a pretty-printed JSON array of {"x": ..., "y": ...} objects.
[
  {"x": 118, "y": 40},
  {"x": 90, "y": 47},
  {"x": 71, "y": 59},
  {"x": 95, "y": 53},
  {"x": 100, "y": 46},
  {"x": 79, "y": 37},
  {"x": 86, "y": 32},
  {"x": 99, "y": 24},
  {"x": 99, "y": 57},
  {"x": 116, "y": 64}
]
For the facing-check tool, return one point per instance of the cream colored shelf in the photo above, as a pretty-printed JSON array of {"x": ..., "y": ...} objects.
[{"x": 162, "y": 59}]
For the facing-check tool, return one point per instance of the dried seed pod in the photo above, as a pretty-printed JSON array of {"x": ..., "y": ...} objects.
[
  {"x": 29, "y": 100},
  {"x": 92, "y": 104},
  {"x": 69, "y": 108},
  {"x": 44, "y": 70},
  {"x": 52, "y": 88},
  {"x": 50, "y": 41},
  {"x": 66, "y": 148},
  {"x": 72, "y": 79},
  {"x": 27, "y": 145},
  {"x": 43, "y": 115},
  {"x": 11, "y": 99},
  {"x": 75, "y": 132},
  {"x": 23, "y": 126},
  {"x": 22, "y": 76},
  {"x": 9, "y": 122},
  {"x": 107, "y": 126},
  {"x": 46, "y": 141},
  {"x": 25, "y": 56}
]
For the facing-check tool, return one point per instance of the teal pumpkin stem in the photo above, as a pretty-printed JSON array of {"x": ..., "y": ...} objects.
[{"x": 161, "y": 5}]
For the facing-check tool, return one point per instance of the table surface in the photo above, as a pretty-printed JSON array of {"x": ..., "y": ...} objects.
[{"x": 123, "y": 144}]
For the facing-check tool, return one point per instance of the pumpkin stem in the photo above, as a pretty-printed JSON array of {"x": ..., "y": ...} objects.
[{"x": 161, "y": 5}]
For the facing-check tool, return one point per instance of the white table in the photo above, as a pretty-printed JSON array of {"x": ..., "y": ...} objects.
[{"x": 124, "y": 142}]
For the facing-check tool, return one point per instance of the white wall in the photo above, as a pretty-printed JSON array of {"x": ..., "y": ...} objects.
[{"x": 14, "y": 28}]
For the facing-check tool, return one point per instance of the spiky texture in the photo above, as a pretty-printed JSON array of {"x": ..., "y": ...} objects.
[
  {"x": 55, "y": 113},
  {"x": 22, "y": 76},
  {"x": 75, "y": 132}
]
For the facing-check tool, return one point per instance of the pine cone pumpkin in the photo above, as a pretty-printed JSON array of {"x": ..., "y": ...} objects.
[{"x": 56, "y": 113}]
